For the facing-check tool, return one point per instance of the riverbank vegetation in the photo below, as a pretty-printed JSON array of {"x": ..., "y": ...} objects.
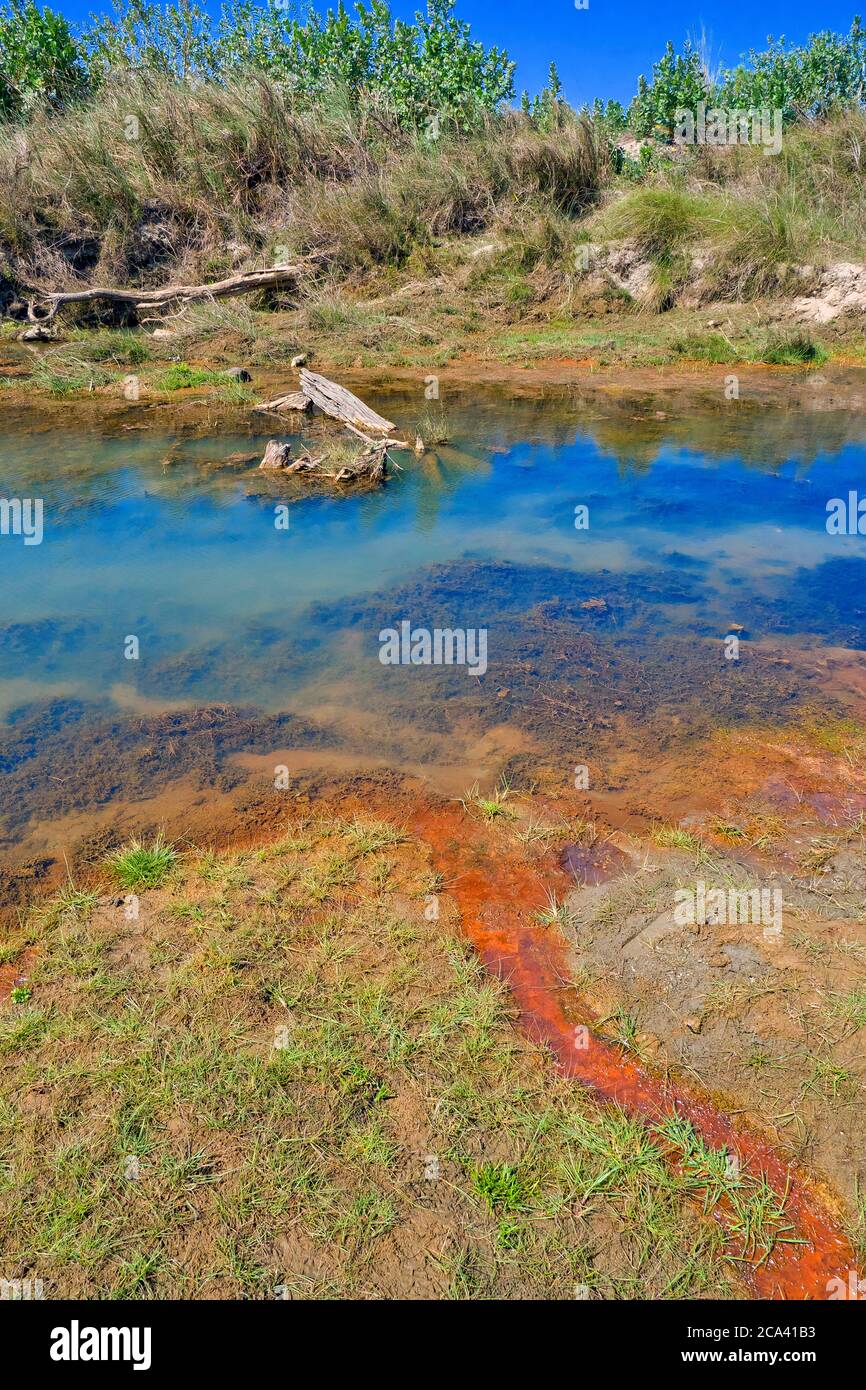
[{"x": 430, "y": 212}]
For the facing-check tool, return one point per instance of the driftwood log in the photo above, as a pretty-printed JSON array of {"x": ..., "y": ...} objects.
[
  {"x": 274, "y": 277},
  {"x": 334, "y": 400},
  {"x": 339, "y": 403}
]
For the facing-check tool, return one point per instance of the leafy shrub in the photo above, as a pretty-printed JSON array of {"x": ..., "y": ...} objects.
[
  {"x": 545, "y": 111},
  {"x": 39, "y": 59},
  {"x": 802, "y": 82},
  {"x": 426, "y": 73},
  {"x": 678, "y": 81},
  {"x": 610, "y": 115},
  {"x": 826, "y": 75}
]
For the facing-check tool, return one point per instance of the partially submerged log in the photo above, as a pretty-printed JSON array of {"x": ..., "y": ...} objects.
[
  {"x": 339, "y": 403},
  {"x": 274, "y": 277}
]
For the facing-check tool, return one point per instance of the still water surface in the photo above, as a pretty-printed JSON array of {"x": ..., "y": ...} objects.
[{"x": 696, "y": 522}]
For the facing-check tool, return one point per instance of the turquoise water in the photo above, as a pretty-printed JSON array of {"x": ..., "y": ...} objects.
[
  {"x": 694, "y": 524},
  {"x": 143, "y": 536}
]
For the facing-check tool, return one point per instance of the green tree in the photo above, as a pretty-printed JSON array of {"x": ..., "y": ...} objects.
[
  {"x": 39, "y": 59},
  {"x": 678, "y": 83},
  {"x": 813, "y": 80},
  {"x": 430, "y": 69},
  {"x": 546, "y": 110},
  {"x": 609, "y": 114},
  {"x": 804, "y": 82},
  {"x": 177, "y": 39}
]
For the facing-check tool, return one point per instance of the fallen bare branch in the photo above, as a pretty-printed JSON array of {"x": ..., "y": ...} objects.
[
  {"x": 273, "y": 277},
  {"x": 293, "y": 400}
]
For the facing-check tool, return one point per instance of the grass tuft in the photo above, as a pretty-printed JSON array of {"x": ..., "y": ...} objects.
[
  {"x": 142, "y": 866},
  {"x": 674, "y": 837}
]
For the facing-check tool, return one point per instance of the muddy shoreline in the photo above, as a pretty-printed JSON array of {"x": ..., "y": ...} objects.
[
  {"x": 674, "y": 388},
  {"x": 499, "y": 889}
]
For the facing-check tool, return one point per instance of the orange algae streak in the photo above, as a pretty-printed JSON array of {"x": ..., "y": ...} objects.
[{"x": 496, "y": 896}]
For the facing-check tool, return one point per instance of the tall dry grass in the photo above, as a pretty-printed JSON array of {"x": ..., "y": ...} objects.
[
  {"x": 747, "y": 217},
  {"x": 158, "y": 175},
  {"x": 160, "y": 180}
]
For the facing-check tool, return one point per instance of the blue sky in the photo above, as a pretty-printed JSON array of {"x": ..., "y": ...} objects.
[{"x": 601, "y": 50}]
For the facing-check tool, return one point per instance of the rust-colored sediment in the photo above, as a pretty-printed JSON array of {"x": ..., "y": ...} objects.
[{"x": 497, "y": 896}]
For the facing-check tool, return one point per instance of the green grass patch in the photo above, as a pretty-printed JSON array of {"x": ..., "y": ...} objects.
[
  {"x": 268, "y": 1072},
  {"x": 674, "y": 837},
  {"x": 501, "y": 1186},
  {"x": 794, "y": 350},
  {"x": 181, "y": 377},
  {"x": 710, "y": 347},
  {"x": 142, "y": 866}
]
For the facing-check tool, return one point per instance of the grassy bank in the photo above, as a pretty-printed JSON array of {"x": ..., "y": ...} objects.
[
  {"x": 197, "y": 357},
  {"x": 277, "y": 1072},
  {"x": 509, "y": 242},
  {"x": 283, "y": 1080}
]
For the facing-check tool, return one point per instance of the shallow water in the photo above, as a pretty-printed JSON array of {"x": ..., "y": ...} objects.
[{"x": 696, "y": 521}]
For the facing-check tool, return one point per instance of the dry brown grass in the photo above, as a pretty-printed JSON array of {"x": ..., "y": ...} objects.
[{"x": 157, "y": 177}]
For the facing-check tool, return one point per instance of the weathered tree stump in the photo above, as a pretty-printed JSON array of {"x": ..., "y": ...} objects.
[{"x": 277, "y": 455}]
